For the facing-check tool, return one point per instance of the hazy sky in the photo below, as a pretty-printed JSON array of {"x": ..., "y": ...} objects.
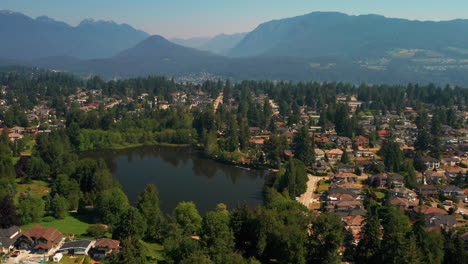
[{"x": 190, "y": 18}]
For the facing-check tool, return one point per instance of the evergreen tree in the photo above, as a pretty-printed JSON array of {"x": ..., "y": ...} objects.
[
  {"x": 350, "y": 247},
  {"x": 369, "y": 247},
  {"x": 8, "y": 216},
  {"x": 345, "y": 157},
  {"x": 131, "y": 225},
  {"x": 148, "y": 205},
  {"x": 392, "y": 155},
  {"x": 397, "y": 238},
  {"x": 327, "y": 236},
  {"x": 423, "y": 139},
  {"x": 454, "y": 249},
  {"x": 304, "y": 146},
  {"x": 294, "y": 180},
  {"x": 273, "y": 148},
  {"x": 410, "y": 175},
  {"x": 430, "y": 244}
]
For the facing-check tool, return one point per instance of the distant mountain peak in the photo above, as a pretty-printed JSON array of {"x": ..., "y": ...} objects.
[
  {"x": 157, "y": 38},
  {"x": 92, "y": 21},
  {"x": 45, "y": 19},
  {"x": 11, "y": 13}
]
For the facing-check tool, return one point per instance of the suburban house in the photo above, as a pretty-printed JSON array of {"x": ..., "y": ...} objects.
[
  {"x": 427, "y": 190},
  {"x": 452, "y": 191},
  {"x": 438, "y": 220},
  {"x": 80, "y": 247},
  {"x": 378, "y": 180},
  {"x": 404, "y": 193},
  {"x": 434, "y": 176},
  {"x": 334, "y": 155},
  {"x": 342, "y": 168},
  {"x": 402, "y": 203},
  {"x": 360, "y": 141},
  {"x": 346, "y": 177},
  {"x": 396, "y": 180},
  {"x": 431, "y": 163},
  {"x": 8, "y": 238},
  {"x": 450, "y": 161},
  {"x": 104, "y": 247},
  {"x": 41, "y": 240},
  {"x": 425, "y": 210},
  {"x": 319, "y": 154},
  {"x": 453, "y": 172}
]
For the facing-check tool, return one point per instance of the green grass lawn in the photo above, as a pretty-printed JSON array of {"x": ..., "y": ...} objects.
[
  {"x": 36, "y": 188},
  {"x": 153, "y": 251},
  {"x": 70, "y": 260},
  {"x": 380, "y": 195},
  {"x": 68, "y": 225},
  {"x": 323, "y": 186}
]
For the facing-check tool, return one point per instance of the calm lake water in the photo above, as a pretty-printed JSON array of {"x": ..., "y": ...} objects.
[{"x": 183, "y": 174}]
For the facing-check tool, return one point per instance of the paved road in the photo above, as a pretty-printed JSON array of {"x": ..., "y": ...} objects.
[{"x": 306, "y": 198}]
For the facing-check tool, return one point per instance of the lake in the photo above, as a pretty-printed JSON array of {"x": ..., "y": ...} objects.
[{"x": 183, "y": 174}]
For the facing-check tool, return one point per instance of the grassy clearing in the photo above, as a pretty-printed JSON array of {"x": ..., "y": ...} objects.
[
  {"x": 380, "y": 195},
  {"x": 70, "y": 260},
  {"x": 35, "y": 188},
  {"x": 323, "y": 186},
  {"x": 68, "y": 225},
  {"x": 153, "y": 251},
  {"x": 28, "y": 148}
]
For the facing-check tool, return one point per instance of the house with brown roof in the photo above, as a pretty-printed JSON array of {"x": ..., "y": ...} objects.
[
  {"x": 104, "y": 247},
  {"x": 427, "y": 190},
  {"x": 40, "y": 240},
  {"x": 402, "y": 203},
  {"x": 424, "y": 209},
  {"x": 360, "y": 141},
  {"x": 434, "y": 176},
  {"x": 346, "y": 177},
  {"x": 319, "y": 154},
  {"x": 334, "y": 155}
]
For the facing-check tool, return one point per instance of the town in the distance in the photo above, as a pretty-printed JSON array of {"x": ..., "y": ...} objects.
[{"x": 359, "y": 172}]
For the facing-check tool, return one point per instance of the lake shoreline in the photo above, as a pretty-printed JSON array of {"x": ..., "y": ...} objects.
[
  {"x": 182, "y": 173},
  {"x": 254, "y": 166}
]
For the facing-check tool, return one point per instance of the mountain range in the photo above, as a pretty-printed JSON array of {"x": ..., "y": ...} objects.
[
  {"x": 220, "y": 44},
  {"x": 364, "y": 36},
  {"x": 26, "y": 38},
  {"x": 320, "y": 46}
]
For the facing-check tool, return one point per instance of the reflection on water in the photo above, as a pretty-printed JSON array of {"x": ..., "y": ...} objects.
[{"x": 182, "y": 174}]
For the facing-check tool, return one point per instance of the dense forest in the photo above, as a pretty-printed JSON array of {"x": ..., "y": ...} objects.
[{"x": 280, "y": 231}]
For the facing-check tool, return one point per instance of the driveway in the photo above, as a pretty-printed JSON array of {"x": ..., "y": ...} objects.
[{"x": 306, "y": 198}]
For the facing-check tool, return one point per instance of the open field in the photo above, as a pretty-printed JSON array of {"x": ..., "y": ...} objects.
[
  {"x": 35, "y": 188},
  {"x": 68, "y": 225}
]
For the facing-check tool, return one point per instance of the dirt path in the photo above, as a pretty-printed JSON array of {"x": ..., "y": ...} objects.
[
  {"x": 218, "y": 101},
  {"x": 306, "y": 198}
]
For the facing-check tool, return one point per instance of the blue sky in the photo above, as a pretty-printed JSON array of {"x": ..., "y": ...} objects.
[{"x": 190, "y": 18}]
